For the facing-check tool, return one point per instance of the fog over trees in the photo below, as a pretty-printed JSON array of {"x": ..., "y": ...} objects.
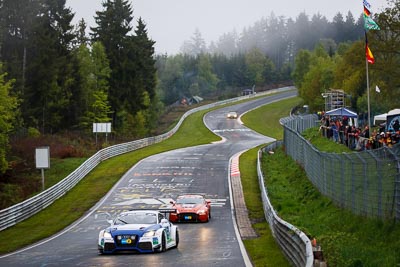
[
  {"x": 55, "y": 77},
  {"x": 281, "y": 38},
  {"x": 262, "y": 54}
]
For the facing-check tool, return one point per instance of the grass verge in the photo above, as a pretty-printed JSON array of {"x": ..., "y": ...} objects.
[
  {"x": 346, "y": 239},
  {"x": 265, "y": 119},
  {"x": 263, "y": 251},
  {"x": 322, "y": 143}
]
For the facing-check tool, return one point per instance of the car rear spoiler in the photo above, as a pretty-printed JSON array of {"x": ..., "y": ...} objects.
[
  {"x": 162, "y": 210},
  {"x": 167, "y": 210}
]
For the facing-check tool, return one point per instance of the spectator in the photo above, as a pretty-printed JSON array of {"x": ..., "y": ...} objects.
[
  {"x": 355, "y": 138},
  {"x": 345, "y": 120},
  {"x": 396, "y": 125},
  {"x": 342, "y": 128},
  {"x": 352, "y": 137},
  {"x": 365, "y": 133},
  {"x": 335, "y": 132}
]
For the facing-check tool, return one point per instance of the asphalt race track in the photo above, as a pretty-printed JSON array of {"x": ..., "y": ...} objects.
[{"x": 151, "y": 184}]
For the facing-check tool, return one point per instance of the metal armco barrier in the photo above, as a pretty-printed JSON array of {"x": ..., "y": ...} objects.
[
  {"x": 293, "y": 242},
  {"x": 367, "y": 182},
  {"x": 23, "y": 210}
]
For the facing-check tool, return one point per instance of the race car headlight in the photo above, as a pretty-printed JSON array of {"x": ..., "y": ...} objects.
[
  {"x": 201, "y": 212},
  {"x": 149, "y": 233},
  {"x": 107, "y": 235}
]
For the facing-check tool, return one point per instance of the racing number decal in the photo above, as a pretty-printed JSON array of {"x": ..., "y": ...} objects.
[{"x": 168, "y": 234}]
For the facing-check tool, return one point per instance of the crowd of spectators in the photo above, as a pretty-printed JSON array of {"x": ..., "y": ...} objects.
[{"x": 340, "y": 131}]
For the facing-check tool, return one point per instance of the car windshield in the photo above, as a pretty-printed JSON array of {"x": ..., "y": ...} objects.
[
  {"x": 189, "y": 200},
  {"x": 136, "y": 218}
]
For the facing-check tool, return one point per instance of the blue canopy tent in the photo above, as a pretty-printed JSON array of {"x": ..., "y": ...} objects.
[{"x": 341, "y": 112}]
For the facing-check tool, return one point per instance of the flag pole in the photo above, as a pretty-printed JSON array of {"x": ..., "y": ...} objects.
[
  {"x": 369, "y": 24},
  {"x": 369, "y": 108}
]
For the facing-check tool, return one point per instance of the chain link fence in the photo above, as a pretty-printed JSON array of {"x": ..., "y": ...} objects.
[{"x": 366, "y": 182}]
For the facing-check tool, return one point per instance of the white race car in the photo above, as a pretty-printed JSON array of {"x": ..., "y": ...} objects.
[
  {"x": 140, "y": 231},
  {"x": 232, "y": 115}
]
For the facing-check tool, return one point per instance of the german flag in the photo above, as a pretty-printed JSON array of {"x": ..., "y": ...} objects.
[{"x": 367, "y": 12}]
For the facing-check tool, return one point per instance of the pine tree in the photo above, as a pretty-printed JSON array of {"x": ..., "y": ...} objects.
[
  {"x": 133, "y": 80},
  {"x": 146, "y": 73},
  {"x": 81, "y": 38},
  {"x": 145, "y": 46},
  {"x": 195, "y": 46},
  {"x": 113, "y": 26},
  {"x": 49, "y": 78},
  {"x": 16, "y": 20}
]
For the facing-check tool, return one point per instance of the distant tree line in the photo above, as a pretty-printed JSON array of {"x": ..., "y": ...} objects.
[
  {"x": 214, "y": 74},
  {"x": 55, "y": 77},
  {"x": 262, "y": 54},
  {"x": 280, "y": 38}
]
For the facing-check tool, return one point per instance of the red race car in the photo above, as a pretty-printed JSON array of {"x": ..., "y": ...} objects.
[{"x": 191, "y": 208}]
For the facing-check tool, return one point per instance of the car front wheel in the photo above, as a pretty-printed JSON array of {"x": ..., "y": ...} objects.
[
  {"x": 177, "y": 239},
  {"x": 163, "y": 246}
]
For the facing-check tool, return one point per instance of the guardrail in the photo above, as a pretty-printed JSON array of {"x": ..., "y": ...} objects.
[
  {"x": 23, "y": 210},
  {"x": 293, "y": 242}
]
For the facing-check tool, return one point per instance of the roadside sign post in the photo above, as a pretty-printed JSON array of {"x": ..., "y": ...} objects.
[
  {"x": 42, "y": 157},
  {"x": 102, "y": 128}
]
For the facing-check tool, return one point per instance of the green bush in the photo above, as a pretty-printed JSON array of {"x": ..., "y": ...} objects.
[{"x": 33, "y": 132}]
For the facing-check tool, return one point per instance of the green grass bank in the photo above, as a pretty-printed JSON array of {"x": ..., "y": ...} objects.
[{"x": 346, "y": 239}]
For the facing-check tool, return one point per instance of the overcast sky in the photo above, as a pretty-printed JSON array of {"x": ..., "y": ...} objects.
[{"x": 171, "y": 22}]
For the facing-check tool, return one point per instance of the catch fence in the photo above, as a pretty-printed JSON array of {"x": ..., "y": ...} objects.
[{"x": 365, "y": 182}]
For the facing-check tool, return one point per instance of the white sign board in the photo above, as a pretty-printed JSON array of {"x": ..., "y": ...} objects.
[
  {"x": 102, "y": 127},
  {"x": 42, "y": 157}
]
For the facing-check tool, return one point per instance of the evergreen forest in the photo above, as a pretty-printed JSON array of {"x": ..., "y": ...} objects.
[{"x": 57, "y": 77}]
